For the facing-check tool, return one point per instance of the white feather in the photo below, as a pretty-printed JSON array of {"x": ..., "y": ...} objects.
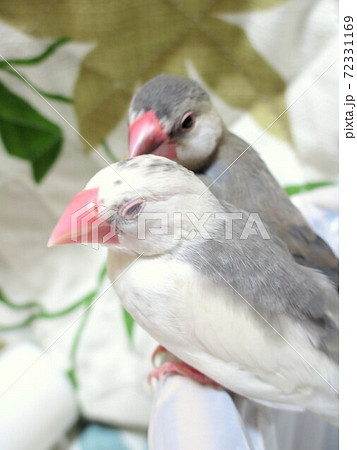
[
  {"x": 213, "y": 330},
  {"x": 203, "y": 137}
]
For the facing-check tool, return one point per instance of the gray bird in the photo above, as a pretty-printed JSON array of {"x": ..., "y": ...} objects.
[
  {"x": 173, "y": 117},
  {"x": 222, "y": 296}
]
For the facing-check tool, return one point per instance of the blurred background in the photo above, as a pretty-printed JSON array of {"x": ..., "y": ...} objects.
[{"x": 73, "y": 364}]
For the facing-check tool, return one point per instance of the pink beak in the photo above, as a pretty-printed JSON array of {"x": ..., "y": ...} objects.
[
  {"x": 83, "y": 221},
  {"x": 146, "y": 135}
]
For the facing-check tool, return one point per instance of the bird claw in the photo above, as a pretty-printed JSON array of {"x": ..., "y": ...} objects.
[
  {"x": 159, "y": 349},
  {"x": 181, "y": 368}
]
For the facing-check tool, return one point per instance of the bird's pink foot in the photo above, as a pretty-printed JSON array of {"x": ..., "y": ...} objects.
[{"x": 181, "y": 368}]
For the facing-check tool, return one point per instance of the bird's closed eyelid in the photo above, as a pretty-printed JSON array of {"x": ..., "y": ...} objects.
[{"x": 132, "y": 208}]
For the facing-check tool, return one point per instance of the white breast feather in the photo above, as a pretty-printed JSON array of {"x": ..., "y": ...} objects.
[{"x": 213, "y": 330}]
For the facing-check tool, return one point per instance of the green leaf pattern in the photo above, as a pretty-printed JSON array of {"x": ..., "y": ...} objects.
[{"x": 25, "y": 133}]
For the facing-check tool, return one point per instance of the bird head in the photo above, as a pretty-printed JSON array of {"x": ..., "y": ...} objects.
[
  {"x": 134, "y": 206},
  {"x": 173, "y": 116}
]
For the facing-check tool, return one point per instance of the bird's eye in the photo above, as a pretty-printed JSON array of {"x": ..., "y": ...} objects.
[
  {"x": 131, "y": 209},
  {"x": 187, "y": 121}
]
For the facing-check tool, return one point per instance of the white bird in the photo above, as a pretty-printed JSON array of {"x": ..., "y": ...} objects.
[{"x": 229, "y": 301}]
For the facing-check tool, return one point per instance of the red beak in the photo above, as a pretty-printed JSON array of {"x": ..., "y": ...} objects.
[
  {"x": 83, "y": 221},
  {"x": 146, "y": 135}
]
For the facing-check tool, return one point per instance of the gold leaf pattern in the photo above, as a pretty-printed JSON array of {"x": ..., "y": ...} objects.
[{"x": 136, "y": 40}]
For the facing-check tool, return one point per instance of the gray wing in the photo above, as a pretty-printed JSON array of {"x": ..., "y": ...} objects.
[
  {"x": 265, "y": 274},
  {"x": 248, "y": 185}
]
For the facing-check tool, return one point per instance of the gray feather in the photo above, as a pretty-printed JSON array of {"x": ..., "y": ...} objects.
[
  {"x": 249, "y": 185},
  {"x": 170, "y": 96},
  {"x": 266, "y": 275}
]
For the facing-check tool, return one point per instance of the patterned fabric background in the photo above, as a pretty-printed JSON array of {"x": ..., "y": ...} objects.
[{"x": 71, "y": 70}]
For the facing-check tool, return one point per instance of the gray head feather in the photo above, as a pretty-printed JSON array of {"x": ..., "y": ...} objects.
[{"x": 168, "y": 96}]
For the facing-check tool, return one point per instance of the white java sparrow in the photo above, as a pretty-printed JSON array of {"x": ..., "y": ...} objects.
[
  {"x": 173, "y": 117},
  {"x": 226, "y": 298}
]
